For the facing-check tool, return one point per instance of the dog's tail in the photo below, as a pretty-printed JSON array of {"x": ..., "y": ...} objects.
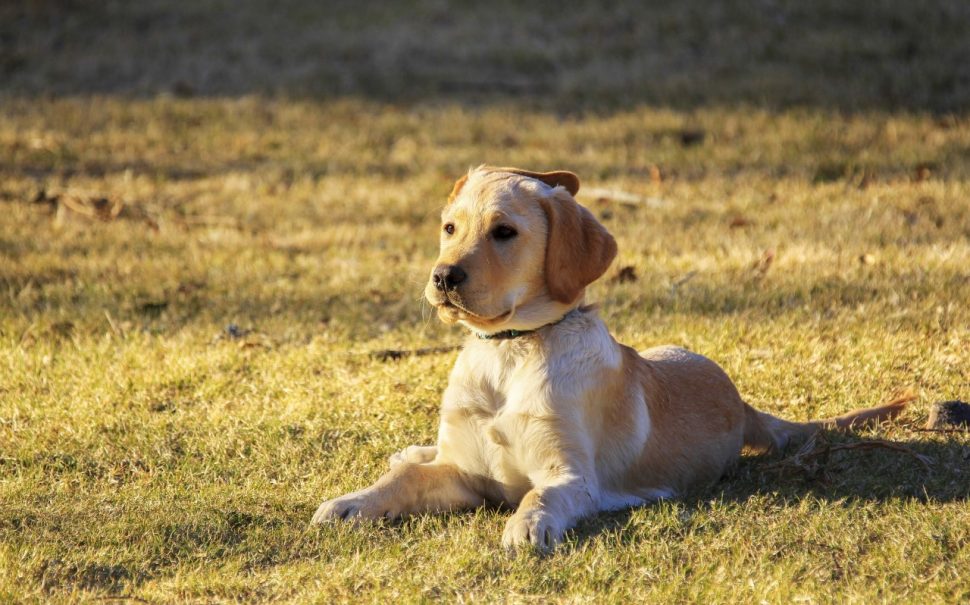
[{"x": 766, "y": 433}]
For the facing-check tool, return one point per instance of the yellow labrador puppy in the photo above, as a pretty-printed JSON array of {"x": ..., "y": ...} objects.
[{"x": 544, "y": 410}]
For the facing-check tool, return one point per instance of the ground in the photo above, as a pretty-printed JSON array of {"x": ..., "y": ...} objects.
[{"x": 215, "y": 222}]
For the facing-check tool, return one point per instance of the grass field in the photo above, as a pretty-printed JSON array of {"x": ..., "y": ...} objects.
[{"x": 212, "y": 225}]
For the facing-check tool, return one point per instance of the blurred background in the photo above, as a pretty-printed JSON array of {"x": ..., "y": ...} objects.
[
  {"x": 886, "y": 54},
  {"x": 149, "y": 146}
]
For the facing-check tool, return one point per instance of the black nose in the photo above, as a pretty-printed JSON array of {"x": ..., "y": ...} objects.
[{"x": 447, "y": 277}]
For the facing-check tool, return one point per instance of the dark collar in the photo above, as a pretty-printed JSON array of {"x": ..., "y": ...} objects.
[{"x": 510, "y": 334}]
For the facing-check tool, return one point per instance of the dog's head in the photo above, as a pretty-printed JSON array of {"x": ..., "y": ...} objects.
[{"x": 517, "y": 251}]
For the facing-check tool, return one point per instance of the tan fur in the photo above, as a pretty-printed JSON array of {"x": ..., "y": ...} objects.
[
  {"x": 457, "y": 188},
  {"x": 578, "y": 248},
  {"x": 564, "y": 421},
  {"x": 558, "y": 178}
]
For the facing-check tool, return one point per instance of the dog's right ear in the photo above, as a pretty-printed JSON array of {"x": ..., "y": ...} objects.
[{"x": 457, "y": 188}]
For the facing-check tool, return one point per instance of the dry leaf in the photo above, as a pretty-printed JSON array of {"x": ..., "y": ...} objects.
[
  {"x": 739, "y": 221},
  {"x": 691, "y": 137},
  {"x": 625, "y": 274}
]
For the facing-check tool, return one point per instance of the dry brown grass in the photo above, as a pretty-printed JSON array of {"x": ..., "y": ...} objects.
[{"x": 820, "y": 255}]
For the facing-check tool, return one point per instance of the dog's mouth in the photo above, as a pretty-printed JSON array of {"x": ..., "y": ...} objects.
[{"x": 451, "y": 305}]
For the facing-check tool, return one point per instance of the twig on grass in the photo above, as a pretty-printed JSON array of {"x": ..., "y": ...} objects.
[
  {"x": 625, "y": 197},
  {"x": 680, "y": 281},
  {"x": 813, "y": 456},
  {"x": 395, "y": 354},
  {"x": 114, "y": 327},
  {"x": 208, "y": 221},
  {"x": 926, "y": 461}
]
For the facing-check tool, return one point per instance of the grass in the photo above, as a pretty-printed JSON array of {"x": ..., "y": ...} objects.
[{"x": 816, "y": 246}]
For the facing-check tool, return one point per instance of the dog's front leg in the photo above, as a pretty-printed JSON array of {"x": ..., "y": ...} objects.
[
  {"x": 548, "y": 510},
  {"x": 407, "y": 489}
]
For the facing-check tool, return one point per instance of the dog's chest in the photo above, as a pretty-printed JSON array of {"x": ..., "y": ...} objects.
[{"x": 487, "y": 419}]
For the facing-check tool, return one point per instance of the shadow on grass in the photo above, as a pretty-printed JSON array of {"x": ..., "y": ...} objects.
[
  {"x": 847, "y": 478},
  {"x": 572, "y": 56}
]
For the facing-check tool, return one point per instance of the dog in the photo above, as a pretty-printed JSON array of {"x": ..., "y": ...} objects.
[{"x": 544, "y": 411}]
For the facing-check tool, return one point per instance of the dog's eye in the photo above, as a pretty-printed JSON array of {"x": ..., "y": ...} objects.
[
  {"x": 449, "y": 228},
  {"x": 504, "y": 232}
]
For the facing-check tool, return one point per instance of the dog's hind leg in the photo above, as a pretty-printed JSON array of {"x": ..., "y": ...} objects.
[{"x": 415, "y": 454}]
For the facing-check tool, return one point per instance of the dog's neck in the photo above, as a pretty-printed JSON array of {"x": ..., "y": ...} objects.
[
  {"x": 524, "y": 336},
  {"x": 512, "y": 334},
  {"x": 579, "y": 334}
]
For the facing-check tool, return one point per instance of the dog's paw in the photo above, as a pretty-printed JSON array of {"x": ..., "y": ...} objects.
[
  {"x": 358, "y": 506},
  {"x": 415, "y": 454},
  {"x": 535, "y": 528},
  {"x": 398, "y": 457}
]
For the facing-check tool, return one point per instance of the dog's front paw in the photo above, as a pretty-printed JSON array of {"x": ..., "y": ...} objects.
[
  {"x": 357, "y": 506},
  {"x": 535, "y": 527}
]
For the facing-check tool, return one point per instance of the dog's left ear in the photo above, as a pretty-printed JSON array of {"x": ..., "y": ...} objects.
[
  {"x": 579, "y": 249},
  {"x": 457, "y": 188}
]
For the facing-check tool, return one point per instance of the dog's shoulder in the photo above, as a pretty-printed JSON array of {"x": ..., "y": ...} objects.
[{"x": 581, "y": 344}]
